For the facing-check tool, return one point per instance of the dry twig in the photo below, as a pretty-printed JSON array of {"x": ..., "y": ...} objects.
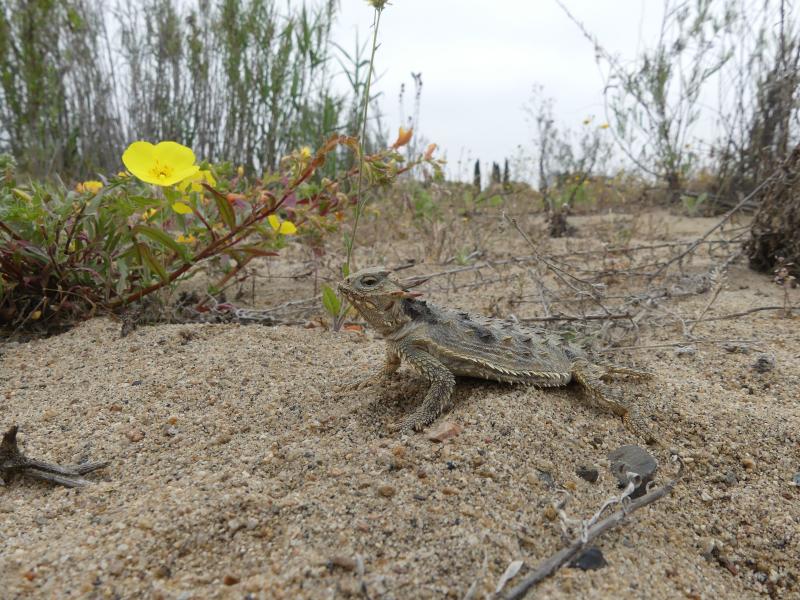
[
  {"x": 13, "y": 462},
  {"x": 594, "y": 530}
]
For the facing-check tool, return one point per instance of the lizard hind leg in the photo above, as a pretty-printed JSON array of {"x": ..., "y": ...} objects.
[
  {"x": 609, "y": 399},
  {"x": 609, "y": 371}
]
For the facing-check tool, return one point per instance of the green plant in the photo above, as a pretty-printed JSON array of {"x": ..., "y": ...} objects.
[
  {"x": 654, "y": 100},
  {"x": 65, "y": 254},
  {"x": 693, "y": 204},
  {"x": 246, "y": 81}
]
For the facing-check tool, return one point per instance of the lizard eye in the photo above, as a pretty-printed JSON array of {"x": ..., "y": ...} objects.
[{"x": 369, "y": 280}]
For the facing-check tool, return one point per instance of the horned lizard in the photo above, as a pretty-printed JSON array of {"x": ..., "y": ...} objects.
[{"x": 441, "y": 343}]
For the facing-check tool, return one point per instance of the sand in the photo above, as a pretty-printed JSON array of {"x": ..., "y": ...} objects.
[{"x": 238, "y": 469}]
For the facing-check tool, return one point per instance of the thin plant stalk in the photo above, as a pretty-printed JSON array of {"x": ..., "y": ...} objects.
[{"x": 361, "y": 202}]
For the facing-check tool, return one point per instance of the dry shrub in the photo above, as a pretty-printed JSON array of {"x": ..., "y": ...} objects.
[{"x": 775, "y": 232}]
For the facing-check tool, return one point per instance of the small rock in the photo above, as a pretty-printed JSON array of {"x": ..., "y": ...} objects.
[
  {"x": 633, "y": 459},
  {"x": 343, "y": 562},
  {"x": 161, "y": 572},
  {"x": 796, "y": 479},
  {"x": 222, "y": 439},
  {"x": 546, "y": 478},
  {"x": 706, "y": 497},
  {"x": 550, "y": 513},
  {"x": 387, "y": 491},
  {"x": 685, "y": 351},
  {"x": 135, "y": 435},
  {"x": 590, "y": 559},
  {"x": 764, "y": 363},
  {"x": 444, "y": 431},
  {"x": 748, "y": 463},
  {"x": 733, "y": 347},
  {"x": 230, "y": 580},
  {"x": 590, "y": 474}
]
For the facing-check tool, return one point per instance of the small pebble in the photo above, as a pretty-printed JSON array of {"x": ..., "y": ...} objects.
[
  {"x": 633, "y": 459},
  {"x": 343, "y": 562},
  {"x": 230, "y": 580},
  {"x": 590, "y": 559},
  {"x": 748, "y": 463},
  {"x": 764, "y": 363},
  {"x": 590, "y": 474},
  {"x": 444, "y": 431},
  {"x": 733, "y": 347},
  {"x": 796, "y": 479},
  {"x": 387, "y": 491},
  {"x": 685, "y": 351},
  {"x": 550, "y": 513},
  {"x": 135, "y": 435}
]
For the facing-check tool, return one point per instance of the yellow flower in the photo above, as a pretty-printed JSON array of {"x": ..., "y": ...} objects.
[
  {"x": 123, "y": 174},
  {"x": 239, "y": 171},
  {"x": 403, "y": 137},
  {"x": 195, "y": 182},
  {"x": 284, "y": 227},
  {"x": 149, "y": 213},
  {"x": 181, "y": 208},
  {"x": 89, "y": 186},
  {"x": 183, "y": 239},
  {"x": 604, "y": 126},
  {"x": 165, "y": 163},
  {"x": 305, "y": 152}
]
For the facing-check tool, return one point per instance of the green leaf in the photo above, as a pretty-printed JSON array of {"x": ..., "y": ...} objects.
[
  {"x": 161, "y": 238},
  {"x": 346, "y": 270},
  {"x": 156, "y": 266},
  {"x": 330, "y": 301},
  {"x": 122, "y": 281},
  {"x": 225, "y": 211}
]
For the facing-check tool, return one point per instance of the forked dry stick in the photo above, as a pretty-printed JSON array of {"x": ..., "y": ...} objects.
[
  {"x": 13, "y": 462},
  {"x": 594, "y": 529}
]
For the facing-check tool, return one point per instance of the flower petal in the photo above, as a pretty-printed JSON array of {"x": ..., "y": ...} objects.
[
  {"x": 287, "y": 228},
  {"x": 138, "y": 158},
  {"x": 274, "y": 221},
  {"x": 174, "y": 154},
  {"x": 181, "y": 208},
  {"x": 179, "y": 175}
]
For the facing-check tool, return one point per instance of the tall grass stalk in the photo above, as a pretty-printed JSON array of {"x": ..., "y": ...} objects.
[{"x": 362, "y": 140}]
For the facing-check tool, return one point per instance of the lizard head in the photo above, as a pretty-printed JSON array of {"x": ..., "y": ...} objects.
[{"x": 376, "y": 297}]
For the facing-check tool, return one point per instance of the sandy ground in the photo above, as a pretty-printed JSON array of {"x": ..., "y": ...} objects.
[{"x": 239, "y": 470}]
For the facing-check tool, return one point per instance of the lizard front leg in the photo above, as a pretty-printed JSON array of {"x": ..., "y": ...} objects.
[
  {"x": 442, "y": 383},
  {"x": 389, "y": 367}
]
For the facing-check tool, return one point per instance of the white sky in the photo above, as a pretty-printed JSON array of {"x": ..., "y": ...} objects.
[{"x": 480, "y": 60}]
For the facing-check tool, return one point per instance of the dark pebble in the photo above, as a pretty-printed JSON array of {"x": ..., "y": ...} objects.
[
  {"x": 633, "y": 459},
  {"x": 546, "y": 478},
  {"x": 590, "y": 559},
  {"x": 590, "y": 474},
  {"x": 764, "y": 363}
]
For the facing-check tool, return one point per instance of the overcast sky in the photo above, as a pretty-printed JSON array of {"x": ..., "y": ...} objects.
[{"x": 480, "y": 60}]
